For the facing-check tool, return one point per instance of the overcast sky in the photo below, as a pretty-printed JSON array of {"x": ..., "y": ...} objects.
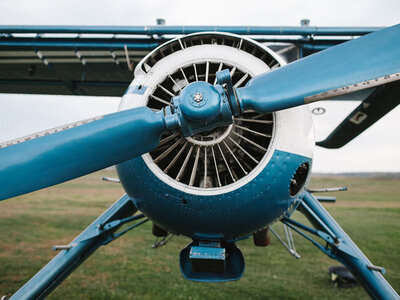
[{"x": 377, "y": 149}]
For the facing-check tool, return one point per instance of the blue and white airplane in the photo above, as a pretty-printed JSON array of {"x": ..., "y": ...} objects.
[{"x": 212, "y": 140}]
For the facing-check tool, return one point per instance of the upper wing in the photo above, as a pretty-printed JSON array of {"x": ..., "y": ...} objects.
[
  {"x": 67, "y": 71},
  {"x": 374, "y": 107},
  {"x": 99, "y": 60}
]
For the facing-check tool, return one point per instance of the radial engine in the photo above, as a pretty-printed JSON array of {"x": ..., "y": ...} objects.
[{"x": 224, "y": 184}]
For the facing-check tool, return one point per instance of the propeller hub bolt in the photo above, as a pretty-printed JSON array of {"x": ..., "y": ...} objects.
[{"x": 198, "y": 97}]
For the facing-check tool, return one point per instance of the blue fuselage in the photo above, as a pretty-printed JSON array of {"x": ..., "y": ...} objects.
[{"x": 225, "y": 216}]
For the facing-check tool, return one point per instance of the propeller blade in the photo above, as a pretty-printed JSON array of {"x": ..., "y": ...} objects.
[
  {"x": 361, "y": 63},
  {"x": 51, "y": 157}
]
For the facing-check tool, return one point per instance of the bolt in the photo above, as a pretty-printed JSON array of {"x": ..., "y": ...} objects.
[{"x": 198, "y": 97}]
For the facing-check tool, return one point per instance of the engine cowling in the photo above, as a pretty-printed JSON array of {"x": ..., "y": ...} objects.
[{"x": 224, "y": 183}]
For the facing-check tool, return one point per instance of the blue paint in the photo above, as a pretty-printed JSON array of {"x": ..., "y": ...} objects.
[
  {"x": 233, "y": 265},
  {"x": 216, "y": 217},
  {"x": 349, "y": 254},
  {"x": 74, "y": 152},
  {"x": 210, "y": 111},
  {"x": 74, "y": 43},
  {"x": 51, "y": 275},
  {"x": 201, "y": 252},
  {"x": 365, "y": 58},
  {"x": 161, "y": 30},
  {"x": 224, "y": 79},
  {"x": 137, "y": 44}
]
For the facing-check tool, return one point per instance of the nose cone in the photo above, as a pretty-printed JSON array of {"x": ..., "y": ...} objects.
[{"x": 200, "y": 101}]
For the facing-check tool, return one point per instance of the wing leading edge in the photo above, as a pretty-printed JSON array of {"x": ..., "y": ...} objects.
[{"x": 99, "y": 60}]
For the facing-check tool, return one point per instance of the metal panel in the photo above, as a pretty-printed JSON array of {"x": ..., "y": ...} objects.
[{"x": 150, "y": 30}]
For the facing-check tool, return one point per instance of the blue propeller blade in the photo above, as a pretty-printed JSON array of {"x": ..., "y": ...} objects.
[
  {"x": 46, "y": 159},
  {"x": 364, "y": 62}
]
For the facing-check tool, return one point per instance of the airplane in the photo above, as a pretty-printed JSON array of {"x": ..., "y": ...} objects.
[{"x": 212, "y": 139}]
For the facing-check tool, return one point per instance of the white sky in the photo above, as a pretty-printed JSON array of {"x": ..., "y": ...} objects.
[{"x": 377, "y": 149}]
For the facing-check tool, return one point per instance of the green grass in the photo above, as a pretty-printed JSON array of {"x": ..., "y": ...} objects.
[{"x": 129, "y": 268}]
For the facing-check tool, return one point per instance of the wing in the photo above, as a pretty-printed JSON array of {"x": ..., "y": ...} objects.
[
  {"x": 65, "y": 70},
  {"x": 374, "y": 107},
  {"x": 99, "y": 60}
]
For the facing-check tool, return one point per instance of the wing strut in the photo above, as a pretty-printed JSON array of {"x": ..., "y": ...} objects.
[
  {"x": 339, "y": 246},
  {"x": 377, "y": 105},
  {"x": 101, "y": 232}
]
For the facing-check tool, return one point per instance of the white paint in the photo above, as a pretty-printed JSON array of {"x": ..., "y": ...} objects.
[
  {"x": 48, "y": 132},
  {"x": 363, "y": 85},
  {"x": 293, "y": 131},
  {"x": 375, "y": 150}
]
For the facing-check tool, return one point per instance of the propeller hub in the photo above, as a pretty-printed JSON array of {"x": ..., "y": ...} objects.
[
  {"x": 202, "y": 106},
  {"x": 200, "y": 101}
]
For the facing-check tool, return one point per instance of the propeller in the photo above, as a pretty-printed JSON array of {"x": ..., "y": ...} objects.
[
  {"x": 365, "y": 62},
  {"x": 65, "y": 153},
  {"x": 60, "y": 154},
  {"x": 54, "y": 156}
]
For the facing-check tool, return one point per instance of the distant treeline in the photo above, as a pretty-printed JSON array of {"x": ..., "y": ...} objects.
[{"x": 360, "y": 174}]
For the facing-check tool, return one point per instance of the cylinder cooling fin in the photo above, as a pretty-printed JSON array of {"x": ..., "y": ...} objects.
[{"x": 219, "y": 160}]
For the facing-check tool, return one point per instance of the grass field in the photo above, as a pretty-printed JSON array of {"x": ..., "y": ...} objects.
[{"x": 129, "y": 268}]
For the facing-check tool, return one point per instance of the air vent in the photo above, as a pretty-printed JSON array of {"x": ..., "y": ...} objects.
[{"x": 299, "y": 179}]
